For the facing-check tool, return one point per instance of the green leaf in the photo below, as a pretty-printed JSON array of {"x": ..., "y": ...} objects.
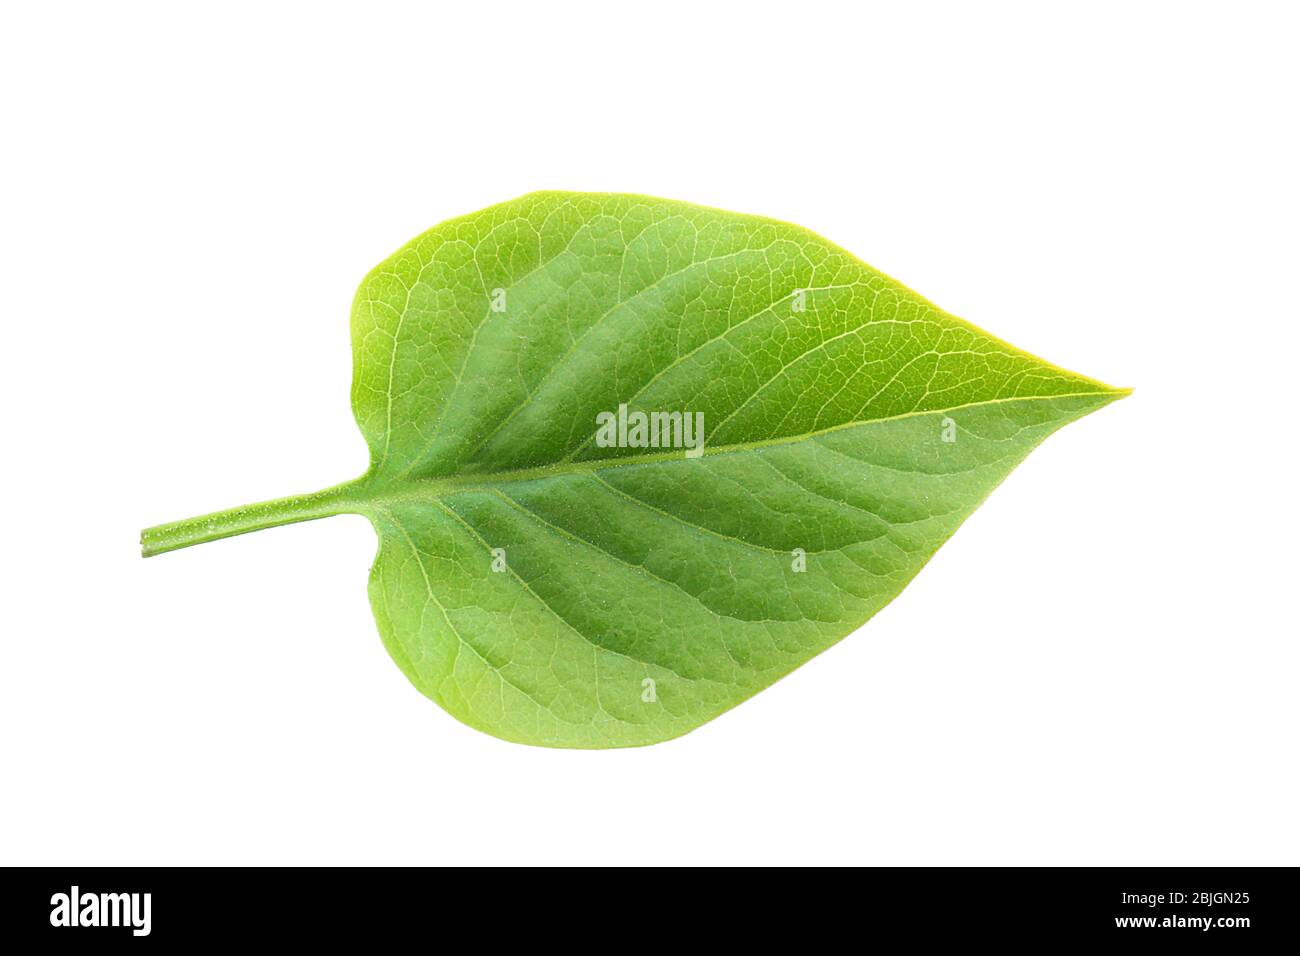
[{"x": 548, "y": 587}]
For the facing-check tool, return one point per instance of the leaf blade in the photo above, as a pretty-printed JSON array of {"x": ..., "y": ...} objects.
[{"x": 553, "y": 589}]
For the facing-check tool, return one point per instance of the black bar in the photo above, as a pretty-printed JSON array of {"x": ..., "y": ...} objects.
[{"x": 1231, "y": 907}]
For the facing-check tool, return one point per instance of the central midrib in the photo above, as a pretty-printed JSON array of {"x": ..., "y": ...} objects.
[
  {"x": 367, "y": 494},
  {"x": 417, "y": 488}
]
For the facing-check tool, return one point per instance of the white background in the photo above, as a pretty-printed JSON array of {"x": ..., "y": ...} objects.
[{"x": 1100, "y": 668}]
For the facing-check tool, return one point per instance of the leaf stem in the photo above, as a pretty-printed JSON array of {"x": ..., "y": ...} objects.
[{"x": 246, "y": 518}]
